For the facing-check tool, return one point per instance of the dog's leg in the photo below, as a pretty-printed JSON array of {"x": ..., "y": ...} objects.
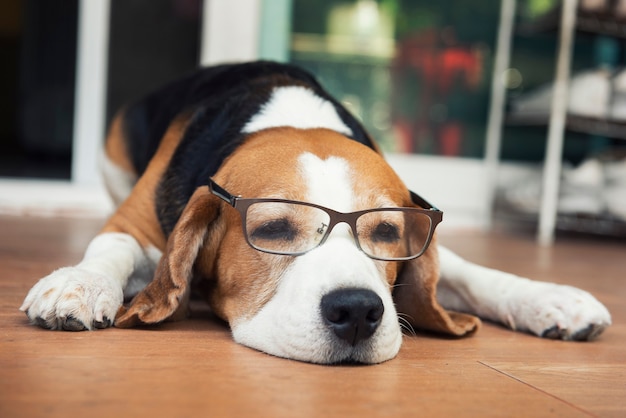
[
  {"x": 88, "y": 295},
  {"x": 122, "y": 259},
  {"x": 545, "y": 309},
  {"x": 118, "y": 171},
  {"x": 118, "y": 181}
]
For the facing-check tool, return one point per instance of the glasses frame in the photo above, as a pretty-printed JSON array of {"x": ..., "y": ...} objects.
[{"x": 242, "y": 204}]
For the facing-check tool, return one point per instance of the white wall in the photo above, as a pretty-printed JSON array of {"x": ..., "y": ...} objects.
[{"x": 454, "y": 185}]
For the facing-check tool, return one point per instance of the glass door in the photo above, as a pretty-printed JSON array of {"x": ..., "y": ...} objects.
[{"x": 38, "y": 79}]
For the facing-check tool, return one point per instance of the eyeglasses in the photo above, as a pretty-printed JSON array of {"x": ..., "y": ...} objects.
[{"x": 289, "y": 227}]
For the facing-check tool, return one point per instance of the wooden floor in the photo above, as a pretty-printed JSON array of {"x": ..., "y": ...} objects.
[{"x": 193, "y": 368}]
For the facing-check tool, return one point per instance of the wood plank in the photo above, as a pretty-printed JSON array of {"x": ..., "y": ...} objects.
[
  {"x": 185, "y": 368},
  {"x": 592, "y": 386},
  {"x": 193, "y": 367}
]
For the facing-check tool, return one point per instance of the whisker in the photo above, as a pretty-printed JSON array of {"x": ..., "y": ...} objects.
[
  {"x": 399, "y": 284},
  {"x": 405, "y": 324}
]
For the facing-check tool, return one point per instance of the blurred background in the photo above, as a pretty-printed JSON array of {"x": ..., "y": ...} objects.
[{"x": 419, "y": 74}]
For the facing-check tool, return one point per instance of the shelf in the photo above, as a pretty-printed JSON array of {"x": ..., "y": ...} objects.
[
  {"x": 596, "y": 23},
  {"x": 562, "y": 21},
  {"x": 592, "y": 126},
  {"x": 605, "y": 224}
]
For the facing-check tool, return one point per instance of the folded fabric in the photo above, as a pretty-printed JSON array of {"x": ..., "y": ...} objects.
[
  {"x": 599, "y": 93},
  {"x": 595, "y": 187}
]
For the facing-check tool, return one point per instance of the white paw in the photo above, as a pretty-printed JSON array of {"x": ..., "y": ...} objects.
[
  {"x": 73, "y": 299},
  {"x": 559, "y": 312}
]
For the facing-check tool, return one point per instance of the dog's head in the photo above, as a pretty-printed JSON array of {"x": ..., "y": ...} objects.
[{"x": 306, "y": 275}]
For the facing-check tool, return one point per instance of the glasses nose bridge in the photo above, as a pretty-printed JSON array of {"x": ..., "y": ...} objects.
[{"x": 336, "y": 218}]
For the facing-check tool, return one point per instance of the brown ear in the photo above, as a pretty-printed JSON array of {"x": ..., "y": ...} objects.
[
  {"x": 168, "y": 293},
  {"x": 415, "y": 296}
]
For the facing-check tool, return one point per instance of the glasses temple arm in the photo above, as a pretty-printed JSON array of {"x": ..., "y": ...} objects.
[
  {"x": 419, "y": 200},
  {"x": 220, "y": 192}
]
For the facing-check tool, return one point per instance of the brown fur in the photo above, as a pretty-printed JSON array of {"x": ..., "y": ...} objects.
[
  {"x": 137, "y": 215},
  {"x": 115, "y": 146},
  {"x": 208, "y": 241}
]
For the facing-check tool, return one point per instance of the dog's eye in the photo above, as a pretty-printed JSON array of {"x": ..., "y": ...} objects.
[
  {"x": 274, "y": 230},
  {"x": 385, "y": 232}
]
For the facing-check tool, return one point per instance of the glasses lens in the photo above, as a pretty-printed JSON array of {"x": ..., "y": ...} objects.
[
  {"x": 285, "y": 228},
  {"x": 393, "y": 234}
]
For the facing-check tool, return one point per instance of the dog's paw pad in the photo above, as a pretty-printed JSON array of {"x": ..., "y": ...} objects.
[
  {"x": 39, "y": 321},
  {"x": 105, "y": 323},
  {"x": 72, "y": 324},
  {"x": 554, "y": 333},
  {"x": 589, "y": 333}
]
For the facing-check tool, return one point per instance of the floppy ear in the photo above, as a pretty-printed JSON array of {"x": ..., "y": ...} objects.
[
  {"x": 415, "y": 296},
  {"x": 167, "y": 295}
]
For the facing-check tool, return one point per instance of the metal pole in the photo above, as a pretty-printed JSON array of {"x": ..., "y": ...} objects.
[
  {"x": 496, "y": 107},
  {"x": 554, "y": 146}
]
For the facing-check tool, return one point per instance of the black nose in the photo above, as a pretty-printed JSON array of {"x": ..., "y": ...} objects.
[{"x": 352, "y": 314}]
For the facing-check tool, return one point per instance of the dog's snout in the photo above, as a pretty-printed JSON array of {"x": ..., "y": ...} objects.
[{"x": 352, "y": 314}]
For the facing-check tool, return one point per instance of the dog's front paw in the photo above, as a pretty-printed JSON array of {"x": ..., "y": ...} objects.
[
  {"x": 73, "y": 299},
  {"x": 559, "y": 312}
]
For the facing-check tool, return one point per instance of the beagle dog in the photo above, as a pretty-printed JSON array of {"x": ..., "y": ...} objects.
[{"x": 251, "y": 185}]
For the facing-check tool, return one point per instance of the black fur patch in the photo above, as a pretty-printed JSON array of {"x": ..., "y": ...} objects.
[{"x": 223, "y": 99}]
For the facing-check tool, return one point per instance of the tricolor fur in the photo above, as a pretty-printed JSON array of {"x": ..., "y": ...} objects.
[{"x": 269, "y": 130}]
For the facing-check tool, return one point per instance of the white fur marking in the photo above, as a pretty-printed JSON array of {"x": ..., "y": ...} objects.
[
  {"x": 143, "y": 272},
  {"x": 297, "y": 107},
  {"x": 92, "y": 291},
  {"x": 328, "y": 181},
  {"x": 119, "y": 182}
]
